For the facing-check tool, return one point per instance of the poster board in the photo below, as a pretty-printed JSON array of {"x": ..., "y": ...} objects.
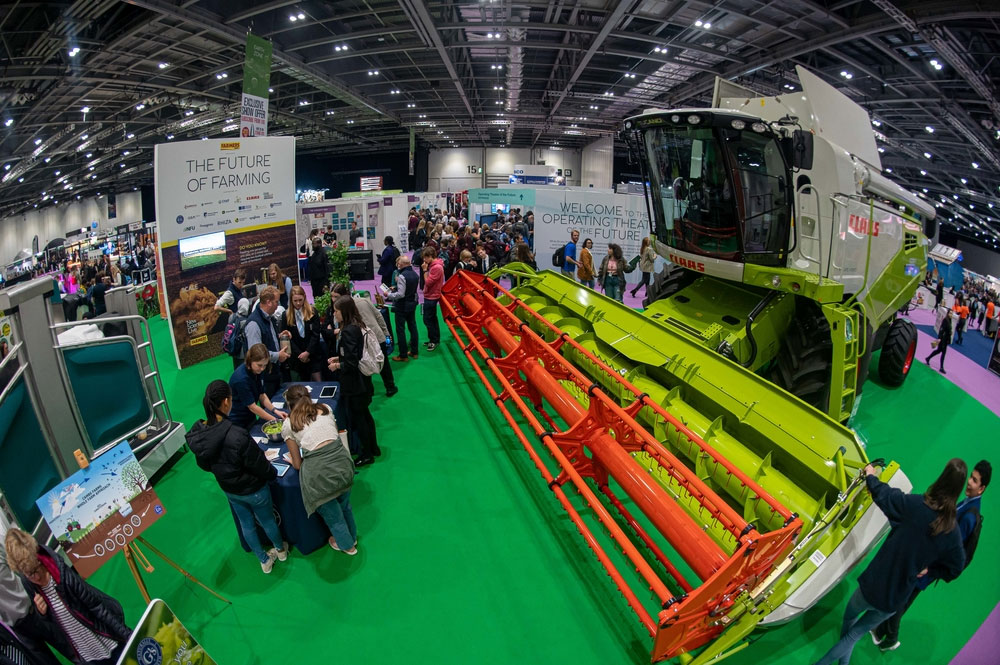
[
  {"x": 603, "y": 217},
  {"x": 243, "y": 189},
  {"x": 99, "y": 510},
  {"x": 160, "y": 638},
  {"x": 994, "y": 362}
]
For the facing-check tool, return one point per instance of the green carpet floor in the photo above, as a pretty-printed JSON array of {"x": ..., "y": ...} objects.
[{"x": 464, "y": 555}]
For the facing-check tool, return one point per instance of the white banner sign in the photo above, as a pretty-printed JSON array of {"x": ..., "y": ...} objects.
[
  {"x": 253, "y": 116},
  {"x": 603, "y": 218},
  {"x": 223, "y": 185}
]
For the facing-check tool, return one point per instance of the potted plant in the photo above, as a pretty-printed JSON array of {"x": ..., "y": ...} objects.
[
  {"x": 339, "y": 271},
  {"x": 322, "y": 305}
]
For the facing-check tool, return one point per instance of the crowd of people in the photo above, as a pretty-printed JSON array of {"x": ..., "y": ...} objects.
[
  {"x": 576, "y": 261},
  {"x": 976, "y": 306}
]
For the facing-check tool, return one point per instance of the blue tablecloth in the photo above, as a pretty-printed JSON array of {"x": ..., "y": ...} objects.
[{"x": 307, "y": 534}]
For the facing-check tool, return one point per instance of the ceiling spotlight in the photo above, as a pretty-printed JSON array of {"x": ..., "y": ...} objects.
[
  {"x": 498, "y": 87},
  {"x": 877, "y": 123},
  {"x": 89, "y": 155},
  {"x": 222, "y": 75},
  {"x": 38, "y": 141},
  {"x": 74, "y": 51},
  {"x": 929, "y": 129},
  {"x": 130, "y": 136},
  {"x": 421, "y": 116},
  {"x": 163, "y": 65},
  {"x": 85, "y": 109},
  {"x": 923, "y": 172},
  {"x": 789, "y": 87},
  {"x": 340, "y": 47},
  {"x": 303, "y": 102},
  {"x": 698, "y": 23},
  {"x": 293, "y": 18},
  {"x": 301, "y": 16},
  {"x": 122, "y": 165},
  {"x": 964, "y": 181},
  {"x": 888, "y": 170},
  {"x": 350, "y": 122},
  {"x": 187, "y": 113},
  {"x": 440, "y": 132},
  {"x": 936, "y": 65},
  {"x": 331, "y": 112},
  {"x": 881, "y": 149},
  {"x": 91, "y": 168},
  {"x": 20, "y": 179},
  {"x": 8, "y": 122},
  {"x": 58, "y": 172},
  {"x": 411, "y": 106},
  {"x": 629, "y": 75},
  {"x": 660, "y": 49},
  {"x": 975, "y": 165},
  {"x": 140, "y": 107},
  {"x": 847, "y": 75},
  {"x": 270, "y": 89},
  {"x": 498, "y": 102},
  {"x": 125, "y": 152},
  {"x": 707, "y": 26},
  {"x": 372, "y": 72},
  {"x": 496, "y": 66},
  {"x": 593, "y": 108},
  {"x": 928, "y": 155},
  {"x": 609, "y": 94}
]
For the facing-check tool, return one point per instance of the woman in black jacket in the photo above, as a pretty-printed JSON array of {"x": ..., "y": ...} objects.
[
  {"x": 240, "y": 468},
  {"x": 924, "y": 539},
  {"x": 301, "y": 326},
  {"x": 355, "y": 387},
  {"x": 319, "y": 269},
  {"x": 88, "y": 625},
  {"x": 943, "y": 340}
]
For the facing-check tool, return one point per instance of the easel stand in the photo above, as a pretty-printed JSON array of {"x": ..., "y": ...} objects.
[{"x": 132, "y": 552}]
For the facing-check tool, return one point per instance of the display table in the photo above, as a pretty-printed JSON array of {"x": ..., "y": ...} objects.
[{"x": 307, "y": 534}]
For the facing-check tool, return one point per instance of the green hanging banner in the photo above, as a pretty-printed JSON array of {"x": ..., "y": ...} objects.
[{"x": 256, "y": 80}]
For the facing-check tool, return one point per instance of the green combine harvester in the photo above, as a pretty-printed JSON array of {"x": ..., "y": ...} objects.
[{"x": 708, "y": 434}]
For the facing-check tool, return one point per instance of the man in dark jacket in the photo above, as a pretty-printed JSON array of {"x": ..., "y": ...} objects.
[
  {"x": 319, "y": 269},
  {"x": 404, "y": 301},
  {"x": 91, "y": 624},
  {"x": 239, "y": 466},
  {"x": 944, "y": 339}
]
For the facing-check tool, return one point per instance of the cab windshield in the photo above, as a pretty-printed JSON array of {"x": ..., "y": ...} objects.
[{"x": 719, "y": 192}]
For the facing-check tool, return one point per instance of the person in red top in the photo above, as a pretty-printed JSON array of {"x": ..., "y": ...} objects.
[
  {"x": 433, "y": 269},
  {"x": 962, "y": 310},
  {"x": 990, "y": 307}
]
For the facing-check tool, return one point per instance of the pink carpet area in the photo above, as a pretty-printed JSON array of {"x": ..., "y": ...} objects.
[{"x": 981, "y": 384}]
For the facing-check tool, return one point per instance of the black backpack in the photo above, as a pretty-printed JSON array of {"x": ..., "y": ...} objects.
[
  {"x": 972, "y": 541},
  {"x": 559, "y": 257}
]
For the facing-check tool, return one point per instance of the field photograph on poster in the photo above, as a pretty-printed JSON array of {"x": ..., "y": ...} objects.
[
  {"x": 99, "y": 510},
  {"x": 225, "y": 205}
]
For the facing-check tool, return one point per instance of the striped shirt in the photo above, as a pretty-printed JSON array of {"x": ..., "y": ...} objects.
[
  {"x": 10, "y": 648},
  {"x": 89, "y": 645}
]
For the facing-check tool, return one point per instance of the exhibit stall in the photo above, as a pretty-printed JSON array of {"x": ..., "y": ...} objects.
[{"x": 598, "y": 214}]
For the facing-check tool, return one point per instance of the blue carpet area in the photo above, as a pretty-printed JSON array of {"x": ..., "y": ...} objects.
[{"x": 975, "y": 346}]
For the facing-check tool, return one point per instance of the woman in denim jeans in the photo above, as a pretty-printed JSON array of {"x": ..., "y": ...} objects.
[
  {"x": 612, "y": 273},
  {"x": 326, "y": 472},
  {"x": 241, "y": 470}
]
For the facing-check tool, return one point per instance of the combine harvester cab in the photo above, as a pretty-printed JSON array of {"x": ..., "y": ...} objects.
[
  {"x": 714, "y": 500},
  {"x": 790, "y": 252}
]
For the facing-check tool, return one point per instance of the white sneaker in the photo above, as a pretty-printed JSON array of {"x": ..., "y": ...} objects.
[
  {"x": 350, "y": 552},
  {"x": 875, "y": 638},
  {"x": 268, "y": 565},
  {"x": 280, "y": 555},
  {"x": 891, "y": 647}
]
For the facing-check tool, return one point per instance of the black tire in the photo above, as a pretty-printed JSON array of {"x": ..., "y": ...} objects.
[
  {"x": 804, "y": 362},
  {"x": 666, "y": 283},
  {"x": 898, "y": 352}
]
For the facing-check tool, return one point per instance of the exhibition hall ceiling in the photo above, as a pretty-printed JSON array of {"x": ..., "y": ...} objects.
[{"x": 87, "y": 88}]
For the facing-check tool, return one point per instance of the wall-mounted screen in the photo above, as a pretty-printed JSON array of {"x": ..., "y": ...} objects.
[
  {"x": 203, "y": 250},
  {"x": 371, "y": 183}
]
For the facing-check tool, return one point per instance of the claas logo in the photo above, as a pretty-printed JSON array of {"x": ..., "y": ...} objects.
[{"x": 229, "y": 145}]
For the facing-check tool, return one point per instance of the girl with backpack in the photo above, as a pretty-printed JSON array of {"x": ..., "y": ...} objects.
[
  {"x": 326, "y": 472},
  {"x": 924, "y": 540},
  {"x": 355, "y": 385}
]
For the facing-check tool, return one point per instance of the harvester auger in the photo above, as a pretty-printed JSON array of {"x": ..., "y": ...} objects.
[{"x": 736, "y": 509}]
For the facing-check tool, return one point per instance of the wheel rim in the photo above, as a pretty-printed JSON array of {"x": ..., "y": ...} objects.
[{"x": 909, "y": 357}]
